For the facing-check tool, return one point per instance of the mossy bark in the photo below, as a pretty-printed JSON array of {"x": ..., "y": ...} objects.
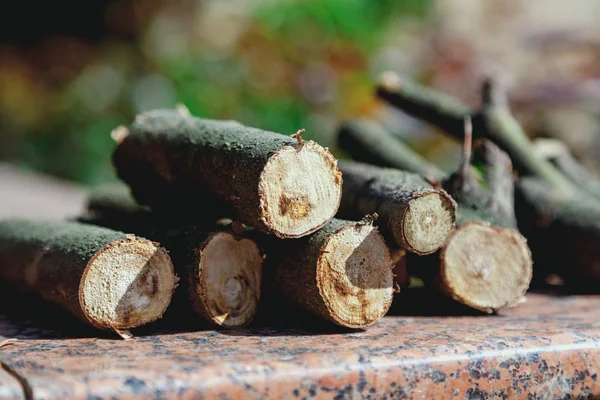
[
  {"x": 173, "y": 161},
  {"x": 365, "y": 140},
  {"x": 390, "y": 193}
]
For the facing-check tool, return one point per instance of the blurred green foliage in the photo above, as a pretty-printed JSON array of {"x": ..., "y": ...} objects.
[{"x": 283, "y": 66}]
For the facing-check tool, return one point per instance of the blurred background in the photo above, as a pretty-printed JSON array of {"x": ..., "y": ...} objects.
[{"x": 71, "y": 71}]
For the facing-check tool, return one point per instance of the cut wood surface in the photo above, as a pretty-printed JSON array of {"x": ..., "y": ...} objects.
[
  {"x": 485, "y": 267},
  {"x": 283, "y": 186},
  {"x": 220, "y": 270},
  {"x": 109, "y": 279},
  {"x": 342, "y": 273},
  {"x": 412, "y": 214}
]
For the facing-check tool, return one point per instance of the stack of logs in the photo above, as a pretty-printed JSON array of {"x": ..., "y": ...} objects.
[{"x": 233, "y": 215}]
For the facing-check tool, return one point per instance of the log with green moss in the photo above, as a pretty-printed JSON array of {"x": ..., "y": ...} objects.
[
  {"x": 484, "y": 263},
  {"x": 342, "y": 273},
  {"x": 106, "y": 278},
  {"x": 412, "y": 214},
  {"x": 557, "y": 203},
  {"x": 220, "y": 269},
  {"x": 284, "y": 186}
]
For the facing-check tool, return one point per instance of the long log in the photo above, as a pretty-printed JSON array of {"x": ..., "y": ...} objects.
[
  {"x": 342, "y": 273},
  {"x": 106, "y": 278},
  {"x": 412, "y": 214},
  {"x": 279, "y": 185}
]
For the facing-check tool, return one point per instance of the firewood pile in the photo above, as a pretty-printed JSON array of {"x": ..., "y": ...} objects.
[{"x": 224, "y": 220}]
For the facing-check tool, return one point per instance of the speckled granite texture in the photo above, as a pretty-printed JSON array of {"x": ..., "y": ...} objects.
[{"x": 548, "y": 348}]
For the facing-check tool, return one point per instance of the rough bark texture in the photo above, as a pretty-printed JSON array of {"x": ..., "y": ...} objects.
[
  {"x": 52, "y": 260},
  {"x": 484, "y": 191},
  {"x": 175, "y": 161},
  {"x": 411, "y": 213},
  {"x": 563, "y": 230},
  {"x": 368, "y": 141},
  {"x": 361, "y": 288},
  {"x": 188, "y": 246}
]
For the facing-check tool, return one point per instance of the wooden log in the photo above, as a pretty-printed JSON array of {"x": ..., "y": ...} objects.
[
  {"x": 555, "y": 199},
  {"x": 220, "y": 269},
  {"x": 279, "y": 185},
  {"x": 468, "y": 266},
  {"x": 412, "y": 214},
  {"x": 342, "y": 273},
  {"x": 106, "y": 278}
]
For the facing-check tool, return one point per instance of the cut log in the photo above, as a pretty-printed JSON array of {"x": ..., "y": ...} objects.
[
  {"x": 220, "y": 270},
  {"x": 478, "y": 207},
  {"x": 485, "y": 267},
  {"x": 548, "y": 192},
  {"x": 106, "y": 278},
  {"x": 412, "y": 214},
  {"x": 279, "y": 185},
  {"x": 342, "y": 273}
]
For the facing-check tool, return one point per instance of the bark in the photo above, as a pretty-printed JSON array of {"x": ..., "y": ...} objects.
[
  {"x": 563, "y": 230},
  {"x": 474, "y": 201},
  {"x": 67, "y": 263},
  {"x": 493, "y": 121},
  {"x": 441, "y": 110},
  {"x": 342, "y": 273},
  {"x": 279, "y": 185},
  {"x": 113, "y": 198},
  {"x": 365, "y": 140},
  {"x": 559, "y": 155},
  {"x": 412, "y": 214}
]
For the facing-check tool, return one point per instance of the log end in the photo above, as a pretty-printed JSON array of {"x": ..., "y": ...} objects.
[
  {"x": 127, "y": 283},
  {"x": 300, "y": 190},
  {"x": 428, "y": 221},
  {"x": 486, "y": 267},
  {"x": 354, "y": 276},
  {"x": 229, "y": 279}
]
